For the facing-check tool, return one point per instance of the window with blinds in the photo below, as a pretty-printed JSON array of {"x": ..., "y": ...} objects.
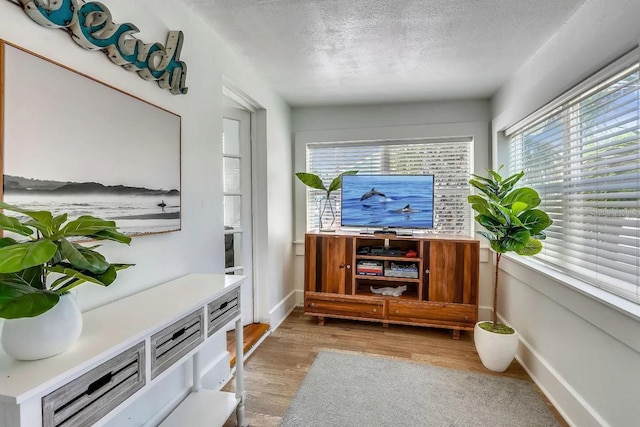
[
  {"x": 448, "y": 160},
  {"x": 583, "y": 157}
]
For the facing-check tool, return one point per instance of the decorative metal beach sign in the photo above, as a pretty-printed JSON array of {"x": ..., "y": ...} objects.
[
  {"x": 91, "y": 27},
  {"x": 76, "y": 145}
]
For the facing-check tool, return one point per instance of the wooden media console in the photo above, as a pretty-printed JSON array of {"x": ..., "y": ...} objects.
[{"x": 352, "y": 276}]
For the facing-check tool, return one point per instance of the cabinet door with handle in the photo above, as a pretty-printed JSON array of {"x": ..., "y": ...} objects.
[
  {"x": 337, "y": 252},
  {"x": 453, "y": 271}
]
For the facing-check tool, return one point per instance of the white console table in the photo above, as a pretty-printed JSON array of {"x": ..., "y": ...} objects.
[{"x": 126, "y": 347}]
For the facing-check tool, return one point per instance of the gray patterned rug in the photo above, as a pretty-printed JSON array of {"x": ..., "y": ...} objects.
[{"x": 343, "y": 389}]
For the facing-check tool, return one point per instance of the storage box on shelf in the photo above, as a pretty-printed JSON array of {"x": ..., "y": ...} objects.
[
  {"x": 408, "y": 271},
  {"x": 346, "y": 273},
  {"x": 126, "y": 347}
]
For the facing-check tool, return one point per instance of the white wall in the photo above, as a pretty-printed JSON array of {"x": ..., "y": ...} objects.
[
  {"x": 198, "y": 247},
  {"x": 386, "y": 121},
  {"x": 377, "y": 115},
  {"x": 583, "y": 353}
]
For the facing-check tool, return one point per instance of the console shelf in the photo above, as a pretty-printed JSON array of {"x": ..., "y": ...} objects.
[
  {"x": 387, "y": 258},
  {"x": 409, "y": 296},
  {"x": 387, "y": 279},
  {"x": 141, "y": 338},
  {"x": 441, "y": 276}
]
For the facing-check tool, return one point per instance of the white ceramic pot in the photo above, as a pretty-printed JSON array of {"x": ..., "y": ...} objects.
[
  {"x": 51, "y": 333},
  {"x": 496, "y": 351}
]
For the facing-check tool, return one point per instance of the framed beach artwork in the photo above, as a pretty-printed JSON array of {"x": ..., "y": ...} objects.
[{"x": 73, "y": 144}]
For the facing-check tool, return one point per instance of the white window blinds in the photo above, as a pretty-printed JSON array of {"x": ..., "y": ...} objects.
[
  {"x": 448, "y": 160},
  {"x": 583, "y": 157}
]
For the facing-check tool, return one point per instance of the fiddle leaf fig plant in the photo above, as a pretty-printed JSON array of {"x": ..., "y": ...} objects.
[
  {"x": 512, "y": 220},
  {"x": 37, "y": 270}
]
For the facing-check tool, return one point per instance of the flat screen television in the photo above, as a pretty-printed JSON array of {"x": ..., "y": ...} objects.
[{"x": 387, "y": 201}]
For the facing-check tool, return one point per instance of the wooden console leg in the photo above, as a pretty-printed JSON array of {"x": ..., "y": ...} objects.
[
  {"x": 320, "y": 321},
  {"x": 455, "y": 333}
]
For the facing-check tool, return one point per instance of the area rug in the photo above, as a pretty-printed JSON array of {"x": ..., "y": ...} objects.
[{"x": 343, "y": 389}]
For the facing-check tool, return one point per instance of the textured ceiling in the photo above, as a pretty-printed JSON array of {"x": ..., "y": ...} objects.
[{"x": 327, "y": 52}]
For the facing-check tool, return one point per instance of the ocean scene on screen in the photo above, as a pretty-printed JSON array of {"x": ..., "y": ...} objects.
[
  {"x": 136, "y": 210},
  {"x": 399, "y": 201}
]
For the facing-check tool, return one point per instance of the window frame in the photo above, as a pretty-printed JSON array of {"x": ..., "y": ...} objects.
[
  {"x": 406, "y": 155},
  {"x": 476, "y": 126},
  {"x": 603, "y": 295}
]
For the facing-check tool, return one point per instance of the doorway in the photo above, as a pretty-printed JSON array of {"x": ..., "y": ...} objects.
[
  {"x": 236, "y": 152},
  {"x": 244, "y": 136},
  {"x": 240, "y": 135}
]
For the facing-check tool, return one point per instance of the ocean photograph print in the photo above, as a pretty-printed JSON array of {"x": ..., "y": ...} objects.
[{"x": 73, "y": 144}]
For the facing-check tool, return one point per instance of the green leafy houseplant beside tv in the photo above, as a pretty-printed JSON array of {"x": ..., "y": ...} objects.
[
  {"x": 37, "y": 273},
  {"x": 314, "y": 181},
  {"x": 513, "y": 224}
]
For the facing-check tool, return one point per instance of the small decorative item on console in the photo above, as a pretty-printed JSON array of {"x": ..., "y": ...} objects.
[{"x": 389, "y": 290}]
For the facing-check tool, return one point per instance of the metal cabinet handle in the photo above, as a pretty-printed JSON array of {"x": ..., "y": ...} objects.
[
  {"x": 313, "y": 304},
  {"x": 375, "y": 310},
  {"x": 397, "y": 311},
  {"x": 427, "y": 271},
  {"x": 179, "y": 333},
  {"x": 348, "y": 266},
  {"x": 99, "y": 383}
]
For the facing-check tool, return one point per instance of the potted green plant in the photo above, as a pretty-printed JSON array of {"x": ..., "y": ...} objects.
[
  {"x": 512, "y": 223},
  {"x": 38, "y": 271},
  {"x": 314, "y": 181}
]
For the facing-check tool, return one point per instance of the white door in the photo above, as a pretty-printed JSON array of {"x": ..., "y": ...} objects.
[{"x": 236, "y": 150}]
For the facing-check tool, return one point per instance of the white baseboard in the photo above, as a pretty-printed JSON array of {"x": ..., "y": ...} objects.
[
  {"x": 284, "y": 308},
  {"x": 575, "y": 410},
  {"x": 569, "y": 403},
  {"x": 216, "y": 373},
  {"x": 484, "y": 313}
]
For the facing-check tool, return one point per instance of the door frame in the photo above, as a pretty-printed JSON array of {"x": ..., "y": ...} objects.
[{"x": 258, "y": 138}]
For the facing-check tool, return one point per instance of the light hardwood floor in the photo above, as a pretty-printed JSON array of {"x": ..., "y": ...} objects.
[
  {"x": 252, "y": 333},
  {"x": 275, "y": 370}
]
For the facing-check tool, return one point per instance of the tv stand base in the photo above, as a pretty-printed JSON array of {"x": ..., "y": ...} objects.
[{"x": 383, "y": 231}]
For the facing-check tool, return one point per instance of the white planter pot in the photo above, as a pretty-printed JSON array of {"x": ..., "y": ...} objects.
[
  {"x": 496, "y": 351},
  {"x": 51, "y": 333}
]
